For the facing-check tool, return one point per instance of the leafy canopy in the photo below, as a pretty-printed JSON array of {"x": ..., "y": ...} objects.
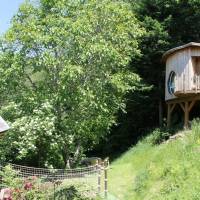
[{"x": 64, "y": 76}]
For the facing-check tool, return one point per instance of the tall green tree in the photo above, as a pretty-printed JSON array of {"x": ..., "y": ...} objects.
[
  {"x": 145, "y": 108},
  {"x": 64, "y": 76},
  {"x": 168, "y": 23}
]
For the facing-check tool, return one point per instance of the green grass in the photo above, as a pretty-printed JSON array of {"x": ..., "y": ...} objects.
[{"x": 159, "y": 172}]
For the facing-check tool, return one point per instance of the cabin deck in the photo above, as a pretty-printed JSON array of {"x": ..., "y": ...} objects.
[{"x": 186, "y": 93}]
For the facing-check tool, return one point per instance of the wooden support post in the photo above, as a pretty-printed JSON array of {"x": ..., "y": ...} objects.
[
  {"x": 191, "y": 105},
  {"x": 186, "y": 115},
  {"x": 170, "y": 108},
  {"x": 182, "y": 106},
  {"x": 168, "y": 116},
  {"x": 186, "y": 105},
  {"x": 106, "y": 179},
  {"x": 99, "y": 175}
]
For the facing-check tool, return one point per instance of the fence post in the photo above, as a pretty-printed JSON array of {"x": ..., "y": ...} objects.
[
  {"x": 106, "y": 164},
  {"x": 99, "y": 176}
]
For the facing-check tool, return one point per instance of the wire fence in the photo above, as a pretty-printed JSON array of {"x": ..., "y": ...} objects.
[{"x": 58, "y": 183}]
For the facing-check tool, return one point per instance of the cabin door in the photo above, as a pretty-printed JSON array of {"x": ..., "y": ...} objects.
[{"x": 196, "y": 72}]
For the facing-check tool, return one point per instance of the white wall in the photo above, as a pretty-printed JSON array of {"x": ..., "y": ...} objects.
[{"x": 180, "y": 63}]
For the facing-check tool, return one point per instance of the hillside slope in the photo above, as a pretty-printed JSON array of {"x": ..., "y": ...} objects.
[{"x": 159, "y": 172}]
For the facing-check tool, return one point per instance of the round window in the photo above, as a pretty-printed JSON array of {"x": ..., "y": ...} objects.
[{"x": 171, "y": 82}]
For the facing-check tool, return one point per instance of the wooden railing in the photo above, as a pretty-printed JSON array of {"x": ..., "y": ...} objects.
[{"x": 183, "y": 85}]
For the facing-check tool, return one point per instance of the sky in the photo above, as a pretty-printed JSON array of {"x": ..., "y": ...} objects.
[{"x": 7, "y": 9}]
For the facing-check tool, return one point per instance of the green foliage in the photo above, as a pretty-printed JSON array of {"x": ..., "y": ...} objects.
[
  {"x": 21, "y": 189},
  {"x": 74, "y": 192},
  {"x": 64, "y": 68},
  {"x": 157, "y": 136},
  {"x": 9, "y": 177},
  {"x": 166, "y": 171},
  {"x": 178, "y": 17},
  {"x": 168, "y": 24},
  {"x": 196, "y": 128},
  {"x": 142, "y": 106}
]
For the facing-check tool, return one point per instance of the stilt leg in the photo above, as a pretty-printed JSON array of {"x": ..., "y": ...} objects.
[
  {"x": 168, "y": 115},
  {"x": 186, "y": 118},
  {"x": 170, "y": 108}
]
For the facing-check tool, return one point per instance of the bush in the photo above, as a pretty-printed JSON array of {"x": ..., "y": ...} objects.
[
  {"x": 157, "y": 136},
  {"x": 70, "y": 193}
]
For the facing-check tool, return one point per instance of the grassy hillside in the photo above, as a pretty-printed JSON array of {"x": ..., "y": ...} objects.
[{"x": 159, "y": 172}]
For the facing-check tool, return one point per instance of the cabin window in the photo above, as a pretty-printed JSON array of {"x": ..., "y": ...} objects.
[
  {"x": 196, "y": 65},
  {"x": 171, "y": 82}
]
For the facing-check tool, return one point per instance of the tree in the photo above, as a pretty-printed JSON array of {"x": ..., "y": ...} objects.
[
  {"x": 144, "y": 106},
  {"x": 168, "y": 23},
  {"x": 64, "y": 76}
]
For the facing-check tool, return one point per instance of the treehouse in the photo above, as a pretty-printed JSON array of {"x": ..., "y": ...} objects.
[{"x": 182, "y": 85}]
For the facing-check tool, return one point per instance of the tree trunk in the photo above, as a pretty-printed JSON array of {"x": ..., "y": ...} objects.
[{"x": 68, "y": 164}]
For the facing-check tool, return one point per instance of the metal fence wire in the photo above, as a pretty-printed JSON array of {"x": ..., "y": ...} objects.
[{"x": 59, "y": 184}]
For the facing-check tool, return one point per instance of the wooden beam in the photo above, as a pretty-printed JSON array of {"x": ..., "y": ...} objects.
[
  {"x": 184, "y": 99},
  {"x": 183, "y": 108},
  {"x": 172, "y": 107},
  {"x": 186, "y": 116},
  {"x": 186, "y": 104},
  {"x": 191, "y": 105}
]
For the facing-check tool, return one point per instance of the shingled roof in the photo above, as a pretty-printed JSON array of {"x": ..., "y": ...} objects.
[{"x": 3, "y": 125}]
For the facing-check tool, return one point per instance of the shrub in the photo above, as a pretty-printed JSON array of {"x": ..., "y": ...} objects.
[
  {"x": 70, "y": 193},
  {"x": 157, "y": 136}
]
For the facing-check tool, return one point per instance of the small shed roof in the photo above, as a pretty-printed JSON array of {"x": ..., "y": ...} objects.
[
  {"x": 171, "y": 51},
  {"x": 3, "y": 125}
]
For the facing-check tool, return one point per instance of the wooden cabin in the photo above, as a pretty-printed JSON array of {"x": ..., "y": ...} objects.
[{"x": 182, "y": 85}]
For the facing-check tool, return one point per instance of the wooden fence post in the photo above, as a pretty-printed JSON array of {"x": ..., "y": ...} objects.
[
  {"x": 106, "y": 164},
  {"x": 99, "y": 176}
]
